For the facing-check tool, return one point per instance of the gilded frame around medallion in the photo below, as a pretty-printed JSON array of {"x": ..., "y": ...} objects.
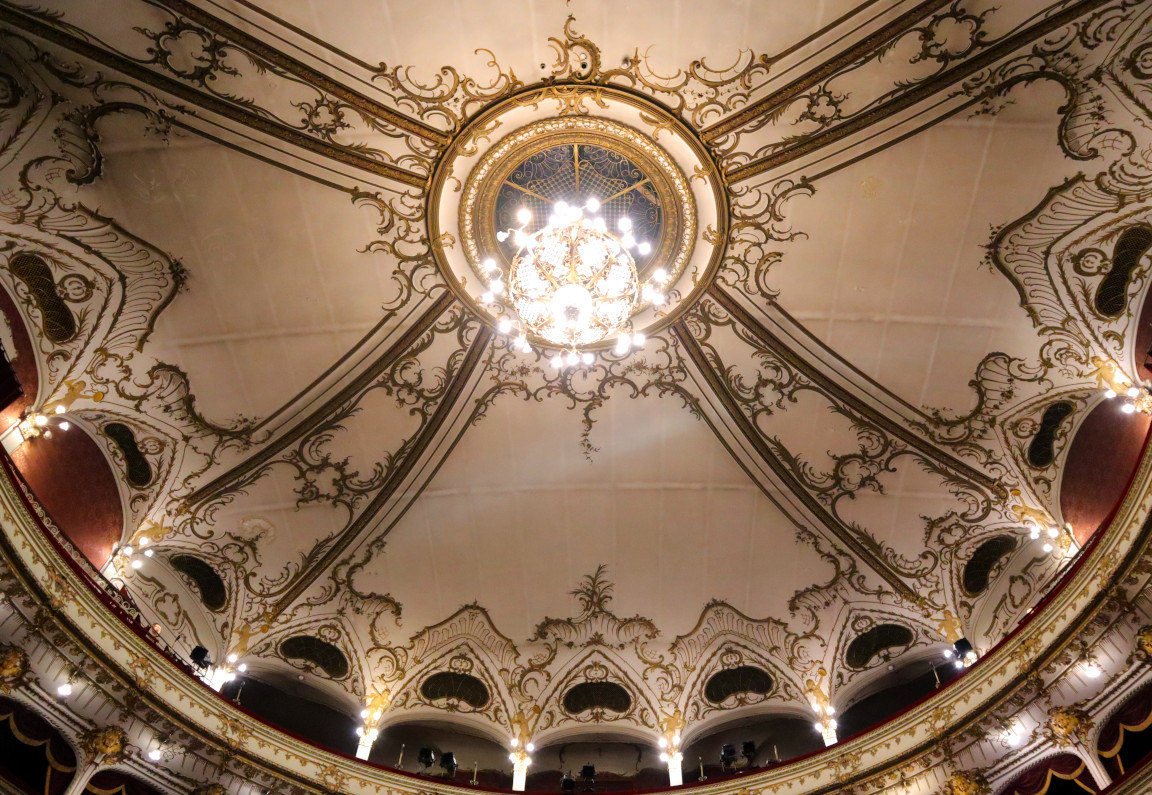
[{"x": 574, "y": 118}]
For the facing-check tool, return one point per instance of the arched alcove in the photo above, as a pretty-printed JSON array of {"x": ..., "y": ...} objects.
[
  {"x": 1126, "y": 737},
  {"x": 295, "y": 708},
  {"x": 1063, "y": 774},
  {"x": 776, "y": 737},
  {"x": 61, "y": 468},
  {"x": 471, "y": 750},
  {"x": 115, "y": 782},
  {"x": 34, "y": 757},
  {"x": 897, "y": 691}
]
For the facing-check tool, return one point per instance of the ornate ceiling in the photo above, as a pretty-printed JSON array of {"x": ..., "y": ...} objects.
[{"x": 257, "y": 218}]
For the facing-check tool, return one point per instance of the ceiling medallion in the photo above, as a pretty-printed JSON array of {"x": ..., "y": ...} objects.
[{"x": 580, "y": 234}]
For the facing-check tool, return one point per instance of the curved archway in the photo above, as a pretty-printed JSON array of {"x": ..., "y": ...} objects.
[
  {"x": 34, "y": 756},
  {"x": 1125, "y": 740},
  {"x": 67, "y": 464},
  {"x": 1063, "y": 774}
]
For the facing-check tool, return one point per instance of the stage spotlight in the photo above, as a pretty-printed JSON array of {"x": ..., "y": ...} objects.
[
  {"x": 448, "y": 764},
  {"x": 588, "y": 776},
  {"x": 748, "y": 751},
  {"x": 568, "y": 784},
  {"x": 200, "y": 658},
  {"x": 727, "y": 756},
  {"x": 426, "y": 758}
]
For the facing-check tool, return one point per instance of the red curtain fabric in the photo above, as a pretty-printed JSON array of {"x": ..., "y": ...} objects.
[
  {"x": 1132, "y": 717},
  {"x": 33, "y": 755},
  {"x": 1037, "y": 780}
]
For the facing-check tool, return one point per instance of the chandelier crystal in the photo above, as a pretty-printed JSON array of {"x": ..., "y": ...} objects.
[{"x": 572, "y": 283}]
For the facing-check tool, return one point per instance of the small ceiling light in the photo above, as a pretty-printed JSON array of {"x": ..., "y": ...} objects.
[
  {"x": 60, "y": 409},
  {"x": 1053, "y": 532},
  {"x": 1092, "y": 670},
  {"x": 137, "y": 563},
  {"x": 64, "y": 690},
  {"x": 242, "y": 667},
  {"x": 232, "y": 658},
  {"x": 155, "y": 754},
  {"x": 1047, "y": 547},
  {"x": 148, "y": 553},
  {"x": 1110, "y": 393}
]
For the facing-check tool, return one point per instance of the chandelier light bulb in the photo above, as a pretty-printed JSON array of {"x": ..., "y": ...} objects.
[
  {"x": 1034, "y": 532},
  {"x": 624, "y": 224},
  {"x": 561, "y": 208},
  {"x": 644, "y": 248},
  {"x": 573, "y": 359},
  {"x": 663, "y": 757},
  {"x": 557, "y": 361},
  {"x": 232, "y": 658},
  {"x": 126, "y": 550},
  {"x": 137, "y": 563},
  {"x": 65, "y": 426},
  {"x": 659, "y": 275},
  {"x": 41, "y": 420},
  {"x": 489, "y": 264},
  {"x": 488, "y": 297},
  {"x": 504, "y": 325},
  {"x": 514, "y": 742},
  {"x": 1053, "y": 532},
  {"x": 497, "y": 288},
  {"x": 1110, "y": 393},
  {"x": 530, "y": 747},
  {"x": 628, "y": 240},
  {"x": 148, "y": 553},
  {"x": 587, "y": 358},
  {"x": 1128, "y": 408},
  {"x": 592, "y": 205},
  {"x": 523, "y": 215},
  {"x": 623, "y": 345},
  {"x": 1047, "y": 547},
  {"x": 638, "y": 340},
  {"x": 60, "y": 409},
  {"x": 948, "y": 654},
  {"x": 1133, "y": 391},
  {"x": 599, "y": 225},
  {"x": 658, "y": 299},
  {"x": 501, "y": 236},
  {"x": 520, "y": 239}
]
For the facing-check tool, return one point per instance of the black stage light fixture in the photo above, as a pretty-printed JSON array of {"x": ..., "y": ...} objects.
[
  {"x": 448, "y": 764},
  {"x": 200, "y": 657},
  {"x": 748, "y": 751},
  {"x": 965, "y": 654},
  {"x": 426, "y": 757},
  {"x": 568, "y": 784},
  {"x": 727, "y": 755},
  {"x": 588, "y": 774}
]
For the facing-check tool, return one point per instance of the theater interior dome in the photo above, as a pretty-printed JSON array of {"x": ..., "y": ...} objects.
[{"x": 694, "y": 391}]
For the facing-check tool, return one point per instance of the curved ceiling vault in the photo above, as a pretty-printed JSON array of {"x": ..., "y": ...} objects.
[{"x": 889, "y": 276}]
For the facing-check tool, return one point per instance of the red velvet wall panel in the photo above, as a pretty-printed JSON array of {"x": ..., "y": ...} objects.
[
  {"x": 1101, "y": 460},
  {"x": 68, "y": 473}
]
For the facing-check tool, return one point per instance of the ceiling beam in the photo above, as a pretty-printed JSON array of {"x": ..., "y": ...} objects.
[
  {"x": 841, "y": 390},
  {"x": 236, "y": 113},
  {"x": 915, "y": 94},
  {"x": 836, "y": 63},
  {"x": 306, "y": 73},
  {"x": 819, "y": 518},
  {"x": 429, "y": 449},
  {"x": 221, "y": 484}
]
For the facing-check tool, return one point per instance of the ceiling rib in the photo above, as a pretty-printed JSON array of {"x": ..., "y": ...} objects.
[
  {"x": 918, "y": 93},
  {"x": 401, "y": 481},
  {"x": 306, "y": 73},
  {"x": 421, "y": 326},
  {"x": 860, "y": 49},
  {"x": 849, "y": 397},
  {"x": 233, "y": 112},
  {"x": 862, "y": 548}
]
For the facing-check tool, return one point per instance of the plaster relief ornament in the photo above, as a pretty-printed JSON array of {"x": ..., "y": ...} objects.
[
  {"x": 1144, "y": 643},
  {"x": 210, "y": 789},
  {"x": 966, "y": 782},
  {"x": 13, "y": 667},
  {"x": 1065, "y": 724},
  {"x": 106, "y": 746}
]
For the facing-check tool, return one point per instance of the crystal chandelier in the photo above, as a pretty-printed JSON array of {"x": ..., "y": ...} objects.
[{"x": 572, "y": 283}]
